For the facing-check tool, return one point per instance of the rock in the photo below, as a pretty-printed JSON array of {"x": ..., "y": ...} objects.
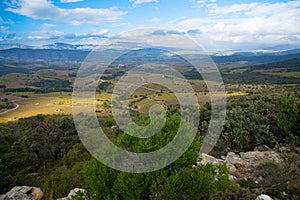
[
  {"x": 263, "y": 197},
  {"x": 76, "y": 191},
  {"x": 262, "y": 148},
  {"x": 243, "y": 165},
  {"x": 2, "y": 197},
  {"x": 231, "y": 177},
  {"x": 209, "y": 159},
  {"x": 24, "y": 193},
  {"x": 234, "y": 162},
  {"x": 36, "y": 193},
  {"x": 284, "y": 149},
  {"x": 255, "y": 157},
  {"x": 297, "y": 150},
  {"x": 284, "y": 194}
]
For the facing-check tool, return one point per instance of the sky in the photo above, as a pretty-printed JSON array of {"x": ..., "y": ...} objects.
[{"x": 215, "y": 24}]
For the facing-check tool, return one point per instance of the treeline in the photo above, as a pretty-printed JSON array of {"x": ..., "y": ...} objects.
[
  {"x": 53, "y": 85},
  {"x": 253, "y": 73},
  {"x": 251, "y": 77},
  {"x": 5, "y": 104},
  {"x": 44, "y": 86}
]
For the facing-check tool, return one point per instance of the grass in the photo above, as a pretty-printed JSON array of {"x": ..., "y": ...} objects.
[
  {"x": 286, "y": 74},
  {"x": 35, "y": 106},
  {"x": 50, "y": 103},
  {"x": 14, "y": 80},
  {"x": 236, "y": 71},
  {"x": 61, "y": 103}
]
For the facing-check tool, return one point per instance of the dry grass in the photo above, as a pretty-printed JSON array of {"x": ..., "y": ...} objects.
[{"x": 61, "y": 103}]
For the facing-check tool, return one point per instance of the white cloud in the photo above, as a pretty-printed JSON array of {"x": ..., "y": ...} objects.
[
  {"x": 100, "y": 32},
  {"x": 233, "y": 8},
  {"x": 198, "y": 3},
  {"x": 155, "y": 20},
  {"x": 9, "y": 21},
  {"x": 37, "y": 38},
  {"x": 137, "y": 2},
  {"x": 47, "y": 31},
  {"x": 95, "y": 37},
  {"x": 45, "y": 10},
  {"x": 246, "y": 24},
  {"x": 4, "y": 29},
  {"x": 70, "y": 1}
]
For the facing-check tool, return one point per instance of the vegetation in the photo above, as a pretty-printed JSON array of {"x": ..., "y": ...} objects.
[
  {"x": 272, "y": 73},
  {"x": 260, "y": 119},
  {"x": 55, "y": 85},
  {"x": 45, "y": 150}
]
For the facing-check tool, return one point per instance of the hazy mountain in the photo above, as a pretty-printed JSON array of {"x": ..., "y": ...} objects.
[
  {"x": 11, "y": 46},
  {"x": 53, "y": 55},
  {"x": 61, "y": 52},
  {"x": 283, "y": 47},
  {"x": 64, "y": 46}
]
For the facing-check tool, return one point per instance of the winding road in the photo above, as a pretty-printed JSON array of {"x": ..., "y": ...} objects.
[{"x": 17, "y": 106}]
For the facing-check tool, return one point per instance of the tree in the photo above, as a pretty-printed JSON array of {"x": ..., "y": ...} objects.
[{"x": 287, "y": 113}]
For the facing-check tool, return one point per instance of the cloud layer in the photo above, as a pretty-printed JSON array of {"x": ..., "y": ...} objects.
[
  {"x": 249, "y": 24},
  {"x": 70, "y": 1},
  {"x": 137, "y": 2},
  {"x": 45, "y": 10},
  {"x": 231, "y": 26}
]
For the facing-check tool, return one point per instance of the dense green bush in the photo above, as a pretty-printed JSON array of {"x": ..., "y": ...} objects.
[
  {"x": 259, "y": 119},
  {"x": 176, "y": 181},
  {"x": 30, "y": 144}
]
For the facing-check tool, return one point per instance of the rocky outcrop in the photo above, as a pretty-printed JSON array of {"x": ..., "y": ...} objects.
[
  {"x": 73, "y": 193},
  {"x": 241, "y": 165},
  {"x": 243, "y": 160},
  {"x": 244, "y": 165},
  {"x": 33, "y": 193},
  {"x": 205, "y": 159},
  {"x": 23, "y": 193}
]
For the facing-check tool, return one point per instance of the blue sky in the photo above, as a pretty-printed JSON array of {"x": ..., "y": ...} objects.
[{"x": 222, "y": 24}]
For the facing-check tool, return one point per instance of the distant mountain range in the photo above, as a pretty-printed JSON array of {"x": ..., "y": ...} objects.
[
  {"x": 12, "y": 46},
  {"x": 56, "y": 46},
  {"x": 51, "y": 55},
  {"x": 130, "y": 45},
  {"x": 61, "y": 52}
]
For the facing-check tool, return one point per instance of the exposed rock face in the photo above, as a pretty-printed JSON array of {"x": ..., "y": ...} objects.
[
  {"x": 209, "y": 159},
  {"x": 241, "y": 165},
  {"x": 23, "y": 193}
]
